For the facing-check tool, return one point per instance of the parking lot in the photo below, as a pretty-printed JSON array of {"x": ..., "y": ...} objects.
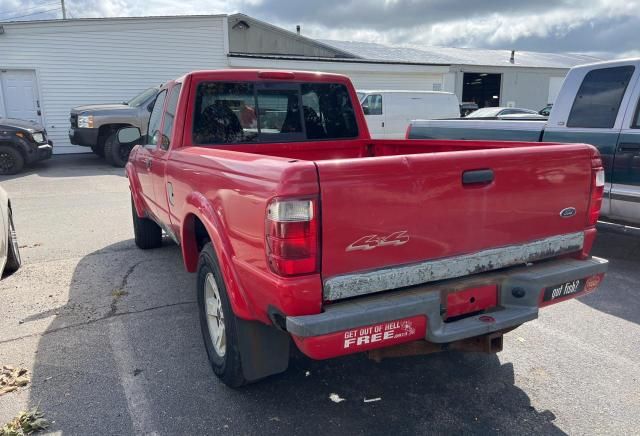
[{"x": 111, "y": 336}]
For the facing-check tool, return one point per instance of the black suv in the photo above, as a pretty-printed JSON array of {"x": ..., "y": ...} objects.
[{"x": 22, "y": 142}]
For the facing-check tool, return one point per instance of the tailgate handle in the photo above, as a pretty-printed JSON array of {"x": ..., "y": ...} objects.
[{"x": 477, "y": 177}]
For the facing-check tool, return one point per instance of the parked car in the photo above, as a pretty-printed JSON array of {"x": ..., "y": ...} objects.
[
  {"x": 546, "y": 111},
  {"x": 309, "y": 230},
  {"x": 598, "y": 104},
  {"x": 96, "y": 125},
  {"x": 22, "y": 142},
  {"x": 493, "y": 113},
  {"x": 10, "y": 259},
  {"x": 388, "y": 113}
]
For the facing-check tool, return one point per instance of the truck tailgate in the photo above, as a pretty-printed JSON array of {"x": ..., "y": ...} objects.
[{"x": 383, "y": 212}]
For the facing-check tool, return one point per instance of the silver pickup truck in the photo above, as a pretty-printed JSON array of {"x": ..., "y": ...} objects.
[
  {"x": 598, "y": 104},
  {"x": 96, "y": 125}
]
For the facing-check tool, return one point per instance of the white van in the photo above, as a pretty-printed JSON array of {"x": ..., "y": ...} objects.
[{"x": 389, "y": 113}]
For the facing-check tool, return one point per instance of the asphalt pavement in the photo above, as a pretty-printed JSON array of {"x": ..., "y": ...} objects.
[{"x": 110, "y": 335}]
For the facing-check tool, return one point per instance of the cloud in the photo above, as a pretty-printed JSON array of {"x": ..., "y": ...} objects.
[{"x": 588, "y": 26}]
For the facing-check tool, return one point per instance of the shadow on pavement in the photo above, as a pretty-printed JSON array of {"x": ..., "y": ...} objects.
[
  {"x": 125, "y": 356},
  {"x": 68, "y": 165},
  {"x": 618, "y": 294}
]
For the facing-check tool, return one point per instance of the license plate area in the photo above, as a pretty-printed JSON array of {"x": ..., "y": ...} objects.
[{"x": 471, "y": 300}]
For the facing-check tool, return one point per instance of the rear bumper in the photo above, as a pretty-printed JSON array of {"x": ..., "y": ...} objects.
[
  {"x": 417, "y": 313},
  {"x": 83, "y": 136}
]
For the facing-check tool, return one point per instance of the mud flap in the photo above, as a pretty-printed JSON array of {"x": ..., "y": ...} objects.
[{"x": 264, "y": 350}]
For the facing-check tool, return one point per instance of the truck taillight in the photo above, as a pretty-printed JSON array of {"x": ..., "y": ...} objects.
[
  {"x": 292, "y": 236},
  {"x": 597, "y": 190}
]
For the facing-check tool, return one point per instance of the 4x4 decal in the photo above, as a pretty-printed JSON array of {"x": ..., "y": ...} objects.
[{"x": 370, "y": 242}]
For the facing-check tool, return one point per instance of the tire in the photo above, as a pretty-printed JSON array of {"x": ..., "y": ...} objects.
[
  {"x": 146, "y": 232},
  {"x": 99, "y": 147},
  {"x": 215, "y": 312},
  {"x": 115, "y": 153},
  {"x": 14, "y": 261},
  {"x": 11, "y": 160}
]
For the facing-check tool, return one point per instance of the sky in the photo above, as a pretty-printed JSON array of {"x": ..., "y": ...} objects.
[{"x": 605, "y": 28}]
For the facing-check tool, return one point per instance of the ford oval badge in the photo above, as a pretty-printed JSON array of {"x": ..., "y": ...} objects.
[{"x": 568, "y": 212}]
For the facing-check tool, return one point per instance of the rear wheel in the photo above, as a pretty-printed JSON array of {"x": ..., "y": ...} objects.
[
  {"x": 147, "y": 233},
  {"x": 13, "y": 250},
  {"x": 11, "y": 160},
  {"x": 115, "y": 153},
  {"x": 217, "y": 321}
]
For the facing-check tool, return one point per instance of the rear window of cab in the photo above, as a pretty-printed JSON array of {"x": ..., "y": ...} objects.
[{"x": 241, "y": 113}]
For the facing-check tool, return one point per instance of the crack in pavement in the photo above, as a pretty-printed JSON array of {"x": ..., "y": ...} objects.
[
  {"x": 93, "y": 321},
  {"x": 120, "y": 291}
]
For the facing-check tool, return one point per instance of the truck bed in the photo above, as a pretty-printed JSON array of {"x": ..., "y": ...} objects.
[{"x": 391, "y": 203}]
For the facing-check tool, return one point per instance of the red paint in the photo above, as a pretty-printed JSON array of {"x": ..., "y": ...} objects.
[
  {"x": 471, "y": 300},
  {"x": 363, "y": 338},
  {"x": 363, "y": 187}
]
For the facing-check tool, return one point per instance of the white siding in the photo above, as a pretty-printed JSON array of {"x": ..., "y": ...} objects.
[
  {"x": 101, "y": 61},
  {"x": 397, "y": 81},
  {"x": 363, "y": 75}
]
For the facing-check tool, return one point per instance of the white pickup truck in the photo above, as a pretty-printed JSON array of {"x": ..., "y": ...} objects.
[{"x": 598, "y": 104}]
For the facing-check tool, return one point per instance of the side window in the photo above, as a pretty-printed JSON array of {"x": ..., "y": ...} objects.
[
  {"x": 169, "y": 117},
  {"x": 153, "y": 132},
  {"x": 599, "y": 97},
  {"x": 374, "y": 103},
  {"x": 635, "y": 124}
]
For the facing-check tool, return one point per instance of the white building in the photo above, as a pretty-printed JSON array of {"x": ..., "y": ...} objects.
[{"x": 47, "y": 67}]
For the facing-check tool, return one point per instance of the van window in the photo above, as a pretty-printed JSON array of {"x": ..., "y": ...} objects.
[
  {"x": 374, "y": 104},
  {"x": 598, "y": 100}
]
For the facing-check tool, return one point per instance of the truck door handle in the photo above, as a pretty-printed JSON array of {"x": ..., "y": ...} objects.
[
  {"x": 477, "y": 177},
  {"x": 629, "y": 146}
]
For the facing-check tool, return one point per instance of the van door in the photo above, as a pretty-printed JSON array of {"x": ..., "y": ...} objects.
[
  {"x": 625, "y": 187},
  {"x": 20, "y": 93},
  {"x": 372, "y": 106}
]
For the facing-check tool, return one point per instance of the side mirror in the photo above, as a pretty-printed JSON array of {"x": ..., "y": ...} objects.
[
  {"x": 365, "y": 109},
  {"x": 127, "y": 135}
]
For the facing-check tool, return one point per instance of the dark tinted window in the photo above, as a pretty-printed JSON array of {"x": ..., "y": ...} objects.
[
  {"x": 153, "y": 131},
  {"x": 598, "y": 99},
  {"x": 169, "y": 116},
  {"x": 279, "y": 114},
  {"x": 227, "y": 113},
  {"x": 372, "y": 105},
  {"x": 635, "y": 124}
]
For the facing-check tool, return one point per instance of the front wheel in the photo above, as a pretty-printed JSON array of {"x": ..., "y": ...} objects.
[
  {"x": 217, "y": 321},
  {"x": 11, "y": 160},
  {"x": 13, "y": 250},
  {"x": 115, "y": 153}
]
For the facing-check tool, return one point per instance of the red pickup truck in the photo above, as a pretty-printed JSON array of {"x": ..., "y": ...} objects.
[{"x": 302, "y": 228}]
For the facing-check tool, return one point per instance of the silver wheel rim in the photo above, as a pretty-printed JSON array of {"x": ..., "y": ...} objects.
[{"x": 215, "y": 315}]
